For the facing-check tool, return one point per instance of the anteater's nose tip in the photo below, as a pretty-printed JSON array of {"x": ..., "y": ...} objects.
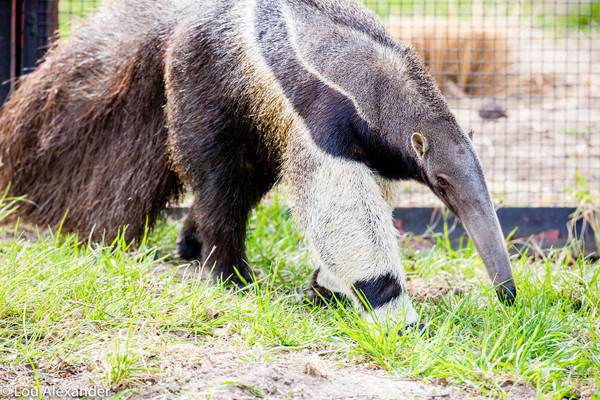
[{"x": 507, "y": 295}]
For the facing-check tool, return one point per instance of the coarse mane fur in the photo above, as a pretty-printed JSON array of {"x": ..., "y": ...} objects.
[{"x": 84, "y": 135}]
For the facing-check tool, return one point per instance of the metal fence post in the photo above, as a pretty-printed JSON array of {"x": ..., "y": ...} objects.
[
  {"x": 26, "y": 29},
  {"x": 6, "y": 54},
  {"x": 39, "y": 24}
]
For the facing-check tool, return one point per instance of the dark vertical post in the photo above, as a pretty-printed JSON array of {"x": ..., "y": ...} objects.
[
  {"x": 40, "y": 23},
  {"x": 6, "y": 26},
  {"x": 47, "y": 25},
  {"x": 30, "y": 33},
  {"x": 26, "y": 28},
  {"x": 16, "y": 41}
]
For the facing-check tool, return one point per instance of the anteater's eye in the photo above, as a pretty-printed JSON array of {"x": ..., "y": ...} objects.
[{"x": 442, "y": 182}]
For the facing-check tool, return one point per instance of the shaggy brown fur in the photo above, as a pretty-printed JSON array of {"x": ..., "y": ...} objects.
[{"x": 85, "y": 135}]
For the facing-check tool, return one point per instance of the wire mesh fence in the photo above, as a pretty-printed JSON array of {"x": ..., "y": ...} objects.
[{"x": 523, "y": 75}]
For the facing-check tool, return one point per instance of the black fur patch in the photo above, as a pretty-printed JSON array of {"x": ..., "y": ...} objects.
[
  {"x": 189, "y": 248},
  {"x": 331, "y": 117},
  {"x": 379, "y": 292},
  {"x": 321, "y": 296}
]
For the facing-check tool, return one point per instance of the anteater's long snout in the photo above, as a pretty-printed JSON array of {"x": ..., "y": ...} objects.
[{"x": 483, "y": 228}]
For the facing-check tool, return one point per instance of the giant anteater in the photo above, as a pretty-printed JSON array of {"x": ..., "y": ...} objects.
[{"x": 228, "y": 97}]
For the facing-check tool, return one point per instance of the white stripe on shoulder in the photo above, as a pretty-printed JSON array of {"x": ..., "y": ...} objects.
[{"x": 290, "y": 23}]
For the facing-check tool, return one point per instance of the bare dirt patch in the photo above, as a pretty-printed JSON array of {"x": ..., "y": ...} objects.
[{"x": 214, "y": 370}]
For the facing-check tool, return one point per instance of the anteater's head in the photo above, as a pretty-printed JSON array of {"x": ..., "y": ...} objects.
[
  {"x": 450, "y": 167},
  {"x": 419, "y": 138}
]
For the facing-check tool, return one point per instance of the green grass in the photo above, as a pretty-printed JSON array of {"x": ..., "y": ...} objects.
[
  {"x": 584, "y": 16},
  {"x": 560, "y": 17},
  {"x": 580, "y": 133},
  {"x": 66, "y": 302},
  {"x": 462, "y": 9},
  {"x": 71, "y": 11},
  {"x": 557, "y": 16}
]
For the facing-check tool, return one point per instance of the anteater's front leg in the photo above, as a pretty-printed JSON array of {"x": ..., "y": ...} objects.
[{"x": 349, "y": 227}]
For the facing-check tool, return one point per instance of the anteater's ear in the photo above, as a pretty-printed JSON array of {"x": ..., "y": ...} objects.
[
  {"x": 471, "y": 134},
  {"x": 420, "y": 144}
]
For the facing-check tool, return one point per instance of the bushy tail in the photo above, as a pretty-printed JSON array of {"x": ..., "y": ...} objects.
[{"x": 85, "y": 132}]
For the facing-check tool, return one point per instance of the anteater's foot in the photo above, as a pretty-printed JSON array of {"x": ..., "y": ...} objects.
[
  {"x": 234, "y": 281},
  {"x": 507, "y": 295},
  {"x": 419, "y": 327},
  {"x": 189, "y": 248}
]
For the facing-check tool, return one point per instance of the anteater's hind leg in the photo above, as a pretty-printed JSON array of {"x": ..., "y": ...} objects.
[
  {"x": 225, "y": 191},
  {"x": 215, "y": 232},
  {"x": 215, "y": 150}
]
